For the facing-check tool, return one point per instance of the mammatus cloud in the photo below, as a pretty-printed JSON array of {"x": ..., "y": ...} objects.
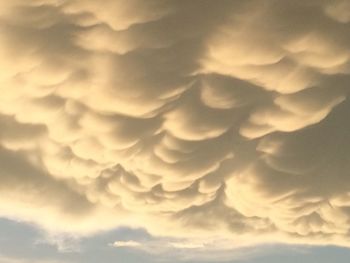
[{"x": 206, "y": 119}]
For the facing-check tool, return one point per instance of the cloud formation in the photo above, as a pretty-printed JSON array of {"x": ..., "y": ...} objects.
[
  {"x": 166, "y": 249},
  {"x": 224, "y": 119},
  {"x": 19, "y": 260}
]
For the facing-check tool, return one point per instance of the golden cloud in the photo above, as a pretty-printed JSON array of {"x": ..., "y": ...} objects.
[{"x": 192, "y": 118}]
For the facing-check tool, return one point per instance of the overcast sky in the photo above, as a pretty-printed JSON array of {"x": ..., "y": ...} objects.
[{"x": 173, "y": 130}]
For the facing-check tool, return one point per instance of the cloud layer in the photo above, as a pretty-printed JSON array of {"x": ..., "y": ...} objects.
[{"x": 213, "y": 119}]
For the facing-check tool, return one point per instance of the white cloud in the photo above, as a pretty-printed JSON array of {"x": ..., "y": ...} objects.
[{"x": 129, "y": 243}]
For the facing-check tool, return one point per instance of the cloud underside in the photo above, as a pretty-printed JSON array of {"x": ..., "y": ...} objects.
[{"x": 213, "y": 119}]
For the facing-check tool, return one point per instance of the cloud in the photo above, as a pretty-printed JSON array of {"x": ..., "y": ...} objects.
[
  {"x": 160, "y": 244},
  {"x": 4, "y": 259},
  {"x": 64, "y": 243},
  {"x": 188, "y": 118},
  {"x": 129, "y": 243},
  {"x": 165, "y": 249}
]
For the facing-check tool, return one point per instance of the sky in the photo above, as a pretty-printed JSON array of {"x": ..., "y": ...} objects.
[{"x": 174, "y": 131}]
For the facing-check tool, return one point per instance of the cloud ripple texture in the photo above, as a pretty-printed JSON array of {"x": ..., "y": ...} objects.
[{"x": 193, "y": 118}]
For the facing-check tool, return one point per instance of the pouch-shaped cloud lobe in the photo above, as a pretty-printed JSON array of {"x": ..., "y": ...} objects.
[{"x": 188, "y": 118}]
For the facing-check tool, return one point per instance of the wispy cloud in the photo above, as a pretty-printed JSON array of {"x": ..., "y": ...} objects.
[
  {"x": 129, "y": 243},
  {"x": 63, "y": 242},
  {"x": 169, "y": 249},
  {"x": 4, "y": 259}
]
